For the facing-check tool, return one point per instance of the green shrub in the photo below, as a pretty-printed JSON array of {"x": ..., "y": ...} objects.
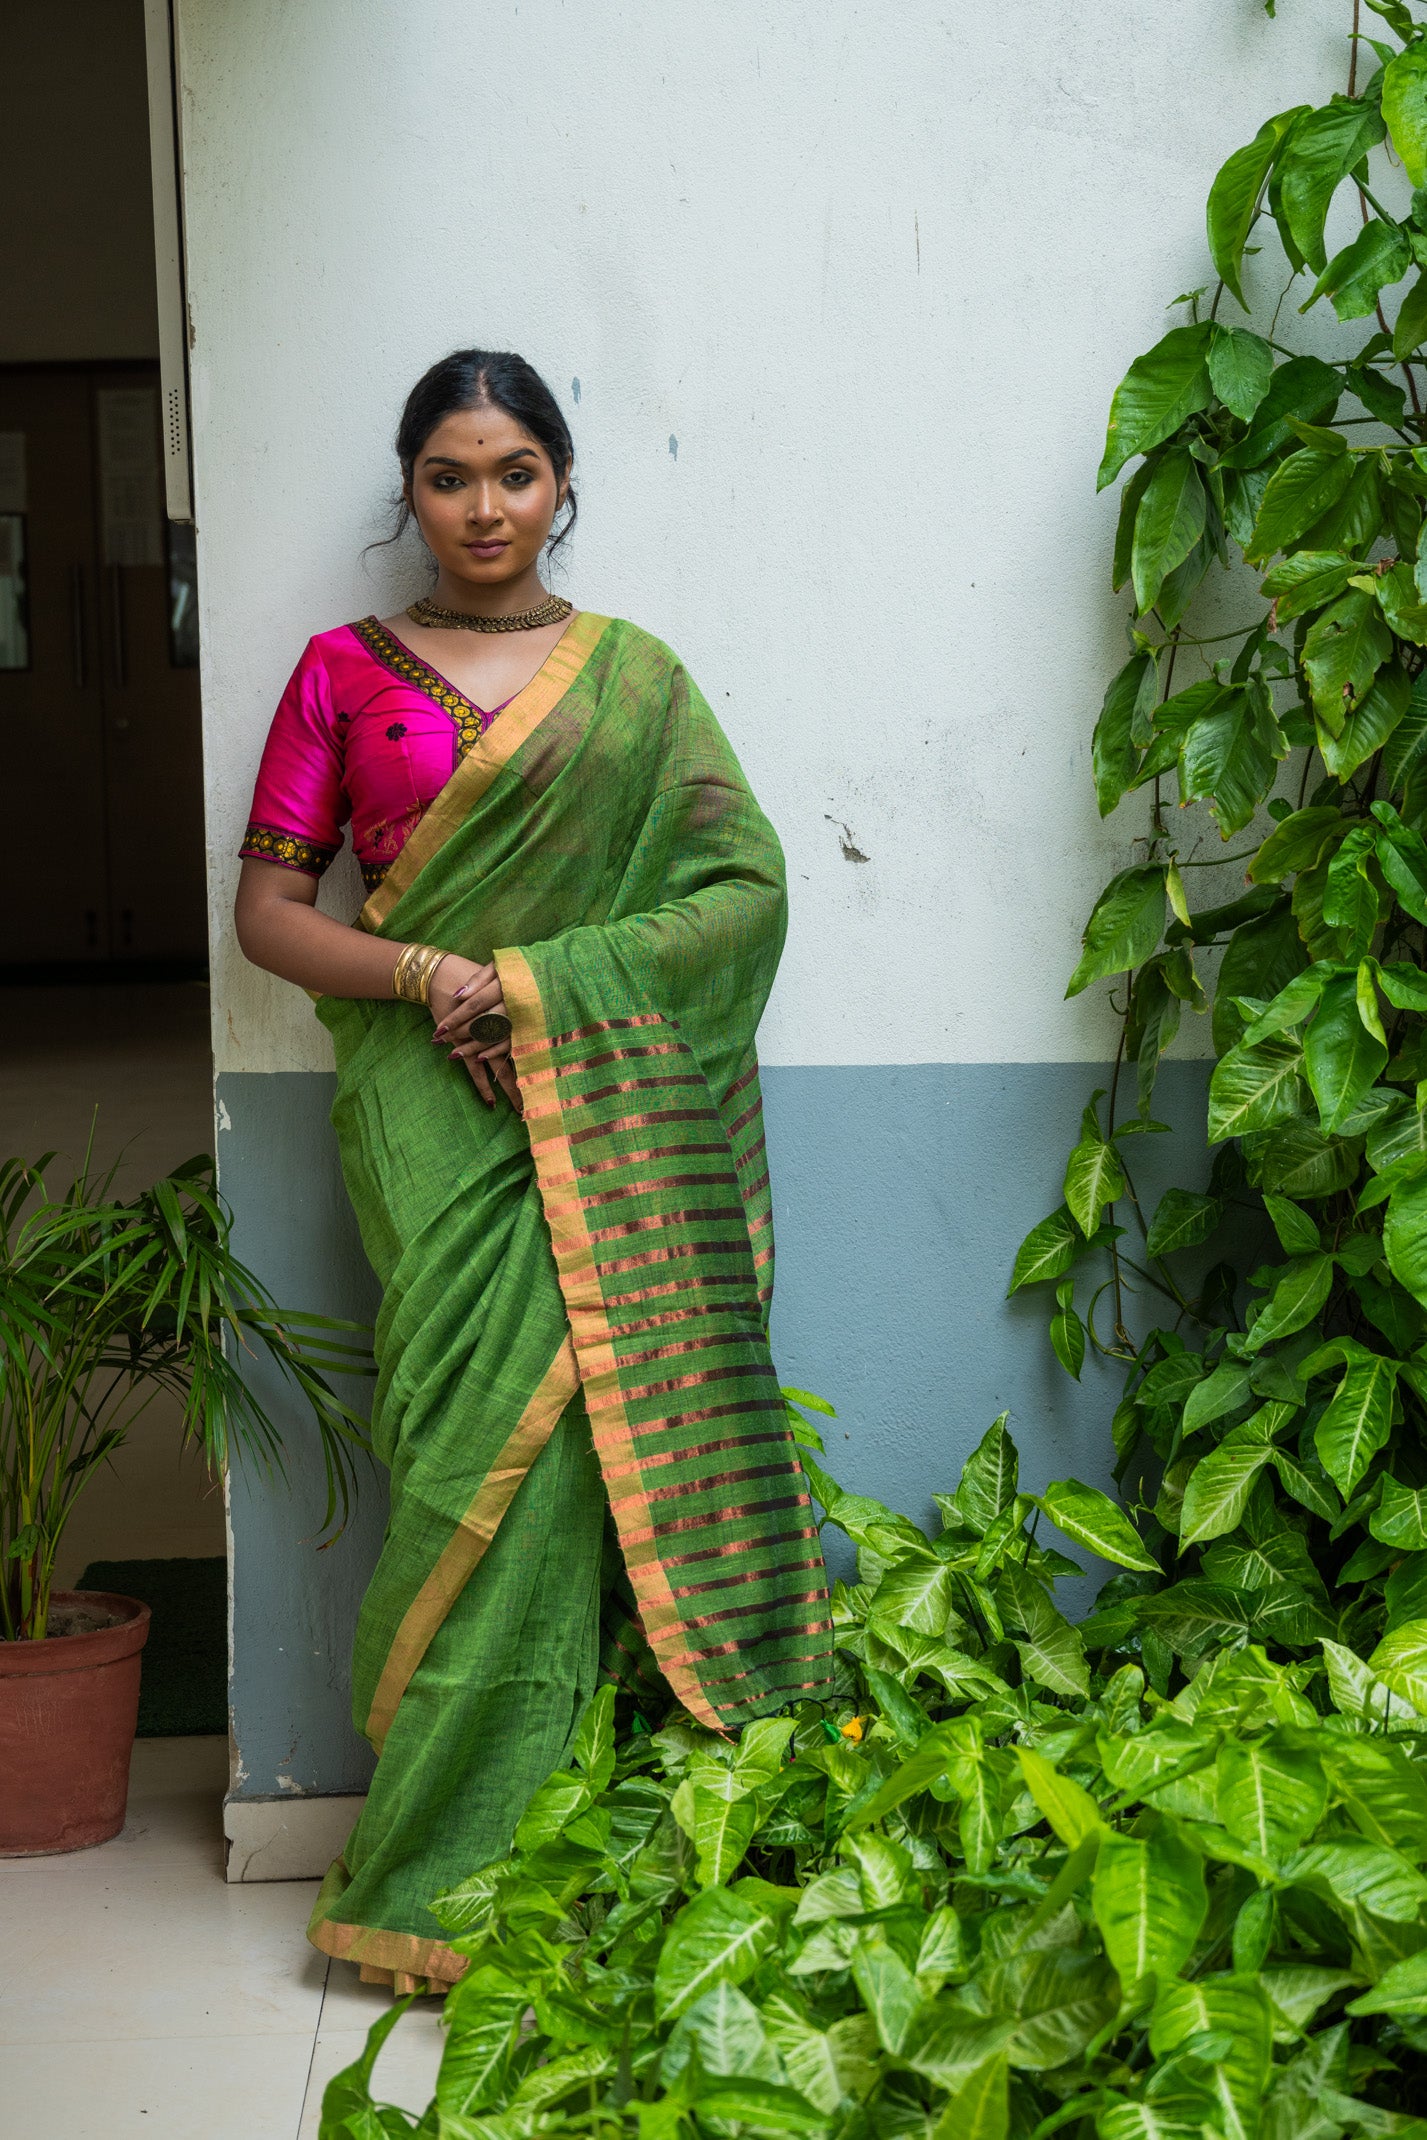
[{"x": 1002, "y": 1888}]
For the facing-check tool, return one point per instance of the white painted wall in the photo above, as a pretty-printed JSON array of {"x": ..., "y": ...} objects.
[
  {"x": 77, "y": 233},
  {"x": 876, "y": 270}
]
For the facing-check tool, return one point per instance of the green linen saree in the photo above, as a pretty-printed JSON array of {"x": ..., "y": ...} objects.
[{"x": 591, "y": 1472}]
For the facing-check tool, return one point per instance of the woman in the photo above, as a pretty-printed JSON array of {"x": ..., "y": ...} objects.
[{"x": 549, "y": 1119}]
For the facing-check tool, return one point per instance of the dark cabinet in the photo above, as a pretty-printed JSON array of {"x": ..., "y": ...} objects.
[{"x": 101, "y": 767}]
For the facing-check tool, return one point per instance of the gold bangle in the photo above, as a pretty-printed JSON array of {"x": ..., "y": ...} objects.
[{"x": 411, "y": 975}]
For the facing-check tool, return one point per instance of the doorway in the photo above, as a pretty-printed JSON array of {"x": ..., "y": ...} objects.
[{"x": 98, "y": 684}]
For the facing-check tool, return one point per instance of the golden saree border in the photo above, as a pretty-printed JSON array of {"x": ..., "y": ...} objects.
[
  {"x": 469, "y": 1544},
  {"x": 594, "y": 1350},
  {"x": 511, "y": 728},
  {"x": 400, "y": 1953}
]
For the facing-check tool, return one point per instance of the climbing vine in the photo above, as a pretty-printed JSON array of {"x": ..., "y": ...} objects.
[{"x": 1274, "y": 1417}]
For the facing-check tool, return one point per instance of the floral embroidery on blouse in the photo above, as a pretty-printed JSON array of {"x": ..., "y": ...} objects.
[
  {"x": 268, "y": 843},
  {"x": 390, "y": 652}
]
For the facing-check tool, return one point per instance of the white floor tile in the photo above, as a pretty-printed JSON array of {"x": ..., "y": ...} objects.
[
  {"x": 142, "y": 1938},
  {"x": 153, "y": 1952},
  {"x": 405, "y": 2071},
  {"x": 202, "y": 2088}
]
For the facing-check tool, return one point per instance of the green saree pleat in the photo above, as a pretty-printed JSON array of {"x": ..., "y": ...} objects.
[{"x": 591, "y": 1473}]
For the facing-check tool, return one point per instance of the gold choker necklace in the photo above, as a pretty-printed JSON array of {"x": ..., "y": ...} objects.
[{"x": 553, "y": 610}]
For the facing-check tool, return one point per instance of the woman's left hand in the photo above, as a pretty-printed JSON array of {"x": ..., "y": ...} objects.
[{"x": 488, "y": 1062}]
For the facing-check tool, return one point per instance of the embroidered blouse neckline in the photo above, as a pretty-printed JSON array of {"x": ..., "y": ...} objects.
[{"x": 470, "y": 720}]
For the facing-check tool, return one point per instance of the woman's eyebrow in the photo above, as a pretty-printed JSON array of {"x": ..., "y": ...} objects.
[{"x": 442, "y": 460}]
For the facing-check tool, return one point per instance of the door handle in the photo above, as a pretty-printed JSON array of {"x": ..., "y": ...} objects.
[
  {"x": 117, "y": 642},
  {"x": 76, "y": 625}
]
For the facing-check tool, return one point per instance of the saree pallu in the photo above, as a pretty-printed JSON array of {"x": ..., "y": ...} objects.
[{"x": 591, "y": 1471}]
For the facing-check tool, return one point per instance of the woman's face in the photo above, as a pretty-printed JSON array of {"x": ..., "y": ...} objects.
[{"x": 484, "y": 494}]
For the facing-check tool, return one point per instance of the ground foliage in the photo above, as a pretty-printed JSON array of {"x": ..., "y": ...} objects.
[{"x": 1000, "y": 1887}]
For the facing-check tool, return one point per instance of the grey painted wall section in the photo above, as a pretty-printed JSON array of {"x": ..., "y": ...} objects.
[{"x": 901, "y": 1194}]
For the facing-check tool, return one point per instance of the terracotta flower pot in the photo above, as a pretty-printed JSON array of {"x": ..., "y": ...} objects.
[{"x": 68, "y": 1706}]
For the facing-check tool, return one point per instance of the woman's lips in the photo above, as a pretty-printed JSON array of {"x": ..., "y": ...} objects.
[{"x": 486, "y": 549}]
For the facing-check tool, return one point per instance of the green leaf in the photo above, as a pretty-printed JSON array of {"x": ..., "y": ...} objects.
[
  {"x": 1367, "y": 725},
  {"x": 918, "y": 1594},
  {"x": 347, "y": 2099},
  {"x": 1377, "y": 256},
  {"x": 1218, "y": 1487},
  {"x": 1051, "y": 1652},
  {"x": 1048, "y": 1251},
  {"x": 1067, "y": 1333},
  {"x": 1400, "y": 1660},
  {"x": 1160, "y": 389},
  {"x": 1299, "y": 492},
  {"x": 949, "y": 2046},
  {"x": 824, "y": 2064},
  {"x": 1341, "y": 1058},
  {"x": 1297, "y": 843},
  {"x": 1410, "y": 326},
  {"x": 1094, "y": 1176},
  {"x": 1233, "y": 199},
  {"x": 1404, "y": 107},
  {"x": 1229, "y": 757},
  {"x": 1355, "y": 1870},
  {"x": 1297, "y": 1234},
  {"x": 1169, "y": 523},
  {"x": 1149, "y": 1901},
  {"x": 1254, "y": 1088},
  {"x": 1402, "y": 857},
  {"x": 1240, "y": 367},
  {"x": 1091, "y": 1519},
  {"x": 1270, "y": 1794},
  {"x": 1195, "y": 1616},
  {"x": 988, "y": 1478},
  {"x": 980, "y": 2109},
  {"x": 1343, "y": 652},
  {"x": 889, "y": 1990},
  {"x": 1125, "y": 926},
  {"x": 1320, "y": 152},
  {"x": 721, "y": 1830},
  {"x": 717, "y": 1938},
  {"x": 762, "y": 2106},
  {"x": 1128, "y": 703},
  {"x": 1228, "y": 1387},
  {"x": 483, "y": 2019},
  {"x": 1065, "y": 1804},
  {"x": 1183, "y": 1219},
  {"x": 1295, "y": 1300},
  {"x": 1400, "y": 1518},
  {"x": 1400, "y": 600},
  {"x": 1235, "y": 2010},
  {"x": 1306, "y": 580},
  {"x": 1402, "y": 1989},
  {"x": 1404, "y": 1237}
]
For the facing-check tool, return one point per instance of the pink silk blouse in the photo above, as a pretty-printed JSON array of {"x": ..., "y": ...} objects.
[{"x": 364, "y": 731}]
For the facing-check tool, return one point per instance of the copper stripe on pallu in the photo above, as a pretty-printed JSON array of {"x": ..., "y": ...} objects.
[{"x": 634, "y": 1451}]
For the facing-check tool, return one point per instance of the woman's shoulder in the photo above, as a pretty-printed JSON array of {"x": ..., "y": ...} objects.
[{"x": 633, "y": 640}]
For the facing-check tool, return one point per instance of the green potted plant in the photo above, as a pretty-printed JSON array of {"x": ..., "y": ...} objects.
[{"x": 103, "y": 1304}]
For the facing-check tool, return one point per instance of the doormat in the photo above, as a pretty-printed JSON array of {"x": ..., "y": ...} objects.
[{"x": 183, "y": 1690}]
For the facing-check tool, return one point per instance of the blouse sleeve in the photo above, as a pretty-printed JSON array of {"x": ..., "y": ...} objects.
[{"x": 299, "y": 807}]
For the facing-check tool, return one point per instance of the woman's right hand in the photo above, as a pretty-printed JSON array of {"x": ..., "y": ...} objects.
[{"x": 461, "y": 991}]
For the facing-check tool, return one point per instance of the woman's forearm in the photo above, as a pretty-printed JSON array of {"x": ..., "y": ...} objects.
[{"x": 290, "y": 938}]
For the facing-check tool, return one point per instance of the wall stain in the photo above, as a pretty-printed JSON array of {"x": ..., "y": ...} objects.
[
  {"x": 673, "y": 447},
  {"x": 851, "y": 852}
]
